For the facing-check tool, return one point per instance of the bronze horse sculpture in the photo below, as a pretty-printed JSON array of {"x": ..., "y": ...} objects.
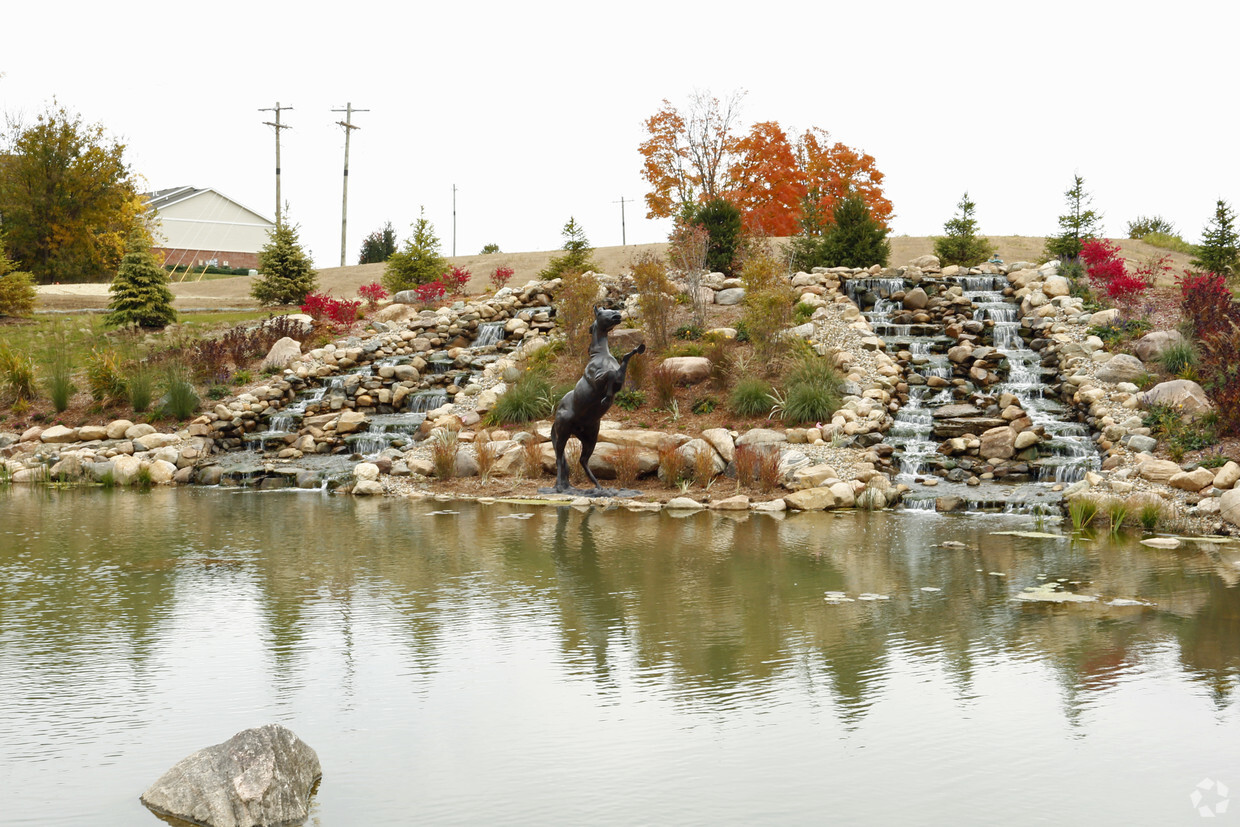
[{"x": 580, "y": 411}]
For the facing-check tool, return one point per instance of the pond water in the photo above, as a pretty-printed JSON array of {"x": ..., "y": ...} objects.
[{"x": 511, "y": 664}]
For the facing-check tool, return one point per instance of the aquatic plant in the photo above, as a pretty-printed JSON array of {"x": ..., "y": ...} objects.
[
  {"x": 1082, "y": 510},
  {"x": 1117, "y": 512}
]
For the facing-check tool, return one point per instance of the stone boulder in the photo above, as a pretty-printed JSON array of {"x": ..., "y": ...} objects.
[
  {"x": 282, "y": 353},
  {"x": 1158, "y": 470},
  {"x": 1121, "y": 368},
  {"x": 117, "y": 429},
  {"x": 926, "y": 262},
  {"x": 1192, "y": 480},
  {"x": 1227, "y": 476},
  {"x": 721, "y": 440},
  {"x": 59, "y": 434},
  {"x": 626, "y": 338},
  {"x": 688, "y": 370},
  {"x": 1104, "y": 317},
  {"x": 1184, "y": 394},
  {"x": 761, "y": 436},
  {"x": 811, "y": 499},
  {"x": 350, "y": 422},
  {"x": 125, "y": 469},
  {"x": 1152, "y": 345},
  {"x": 90, "y": 433},
  {"x": 916, "y": 299},
  {"x": 1229, "y": 506},
  {"x": 259, "y": 777},
  {"x": 1056, "y": 286},
  {"x": 731, "y": 296},
  {"x": 691, "y": 450},
  {"x": 162, "y": 471},
  {"x": 998, "y": 443},
  {"x": 138, "y": 431},
  {"x": 813, "y": 476}
]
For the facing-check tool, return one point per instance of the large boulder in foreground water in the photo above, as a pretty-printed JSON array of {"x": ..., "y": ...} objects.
[{"x": 256, "y": 778}]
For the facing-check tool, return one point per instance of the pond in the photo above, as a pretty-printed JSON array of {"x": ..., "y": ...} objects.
[{"x": 454, "y": 663}]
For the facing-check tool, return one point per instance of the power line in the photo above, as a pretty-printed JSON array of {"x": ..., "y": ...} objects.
[
  {"x": 277, "y": 126},
  {"x": 347, "y": 123}
]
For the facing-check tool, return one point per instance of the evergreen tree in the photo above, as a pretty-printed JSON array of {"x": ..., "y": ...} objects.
[
  {"x": 285, "y": 272},
  {"x": 578, "y": 254},
  {"x": 961, "y": 245},
  {"x": 379, "y": 245},
  {"x": 1218, "y": 251},
  {"x": 419, "y": 262},
  {"x": 17, "y": 293},
  {"x": 856, "y": 239},
  {"x": 1079, "y": 224},
  {"x": 807, "y": 250},
  {"x": 140, "y": 293},
  {"x": 723, "y": 223}
]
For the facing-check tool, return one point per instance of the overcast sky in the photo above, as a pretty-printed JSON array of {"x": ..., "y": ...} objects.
[{"x": 534, "y": 110}]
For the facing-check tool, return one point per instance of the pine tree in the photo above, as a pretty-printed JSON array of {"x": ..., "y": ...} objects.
[
  {"x": 140, "y": 294},
  {"x": 17, "y": 293},
  {"x": 419, "y": 262},
  {"x": 578, "y": 254},
  {"x": 1079, "y": 224},
  {"x": 961, "y": 244},
  {"x": 1218, "y": 251},
  {"x": 856, "y": 239},
  {"x": 379, "y": 245},
  {"x": 724, "y": 225},
  {"x": 285, "y": 272}
]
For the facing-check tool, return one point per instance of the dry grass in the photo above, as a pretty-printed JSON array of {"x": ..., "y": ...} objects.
[
  {"x": 485, "y": 453},
  {"x": 532, "y": 455},
  {"x": 627, "y": 462},
  {"x": 671, "y": 464}
]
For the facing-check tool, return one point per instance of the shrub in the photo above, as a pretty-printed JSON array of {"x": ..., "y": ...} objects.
[
  {"x": 372, "y": 293},
  {"x": 286, "y": 274},
  {"x": 104, "y": 376},
  {"x": 655, "y": 299},
  {"x": 17, "y": 293},
  {"x": 1170, "y": 241},
  {"x": 1109, "y": 275},
  {"x": 501, "y": 275},
  {"x": 1142, "y": 226},
  {"x": 768, "y": 305},
  {"x": 379, "y": 245},
  {"x": 489, "y": 249},
  {"x": 855, "y": 239},
  {"x": 723, "y": 223},
  {"x": 630, "y": 399},
  {"x": 140, "y": 294},
  {"x": 705, "y": 405},
  {"x": 689, "y": 332},
  {"x": 575, "y": 310},
  {"x": 578, "y": 254},
  {"x": 688, "y": 248},
  {"x": 663, "y": 383},
  {"x": 241, "y": 377},
  {"x": 750, "y": 397},
  {"x": 318, "y": 306},
  {"x": 431, "y": 291},
  {"x": 418, "y": 262},
  {"x": 181, "y": 398},
  {"x": 16, "y": 374},
  {"x": 456, "y": 280},
  {"x": 443, "y": 452},
  {"x": 528, "y": 399},
  {"x": 627, "y": 462}
]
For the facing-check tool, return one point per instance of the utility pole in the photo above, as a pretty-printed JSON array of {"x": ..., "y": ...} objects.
[
  {"x": 278, "y": 126},
  {"x": 623, "y": 241},
  {"x": 347, "y": 123},
  {"x": 454, "y": 219}
]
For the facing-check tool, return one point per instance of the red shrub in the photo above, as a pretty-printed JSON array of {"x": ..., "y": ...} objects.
[
  {"x": 1108, "y": 274},
  {"x": 456, "y": 280},
  {"x": 501, "y": 275},
  {"x": 430, "y": 292},
  {"x": 322, "y": 306},
  {"x": 373, "y": 293},
  {"x": 1215, "y": 317}
]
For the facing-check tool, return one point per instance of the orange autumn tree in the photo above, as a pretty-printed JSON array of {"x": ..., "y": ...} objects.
[
  {"x": 765, "y": 181},
  {"x": 692, "y": 157}
]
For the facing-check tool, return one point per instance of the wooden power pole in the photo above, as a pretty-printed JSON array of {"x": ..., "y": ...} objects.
[
  {"x": 277, "y": 126},
  {"x": 347, "y": 123},
  {"x": 623, "y": 241}
]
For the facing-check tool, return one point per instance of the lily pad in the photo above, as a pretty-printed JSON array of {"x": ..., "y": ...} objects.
[
  {"x": 1050, "y": 593},
  {"x": 1036, "y": 535}
]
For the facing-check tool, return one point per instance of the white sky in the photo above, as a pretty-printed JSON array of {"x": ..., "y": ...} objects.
[{"x": 534, "y": 110}]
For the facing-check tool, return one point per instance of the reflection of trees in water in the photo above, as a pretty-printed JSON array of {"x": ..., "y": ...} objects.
[{"x": 715, "y": 607}]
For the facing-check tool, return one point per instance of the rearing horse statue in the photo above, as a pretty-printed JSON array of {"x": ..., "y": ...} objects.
[{"x": 580, "y": 411}]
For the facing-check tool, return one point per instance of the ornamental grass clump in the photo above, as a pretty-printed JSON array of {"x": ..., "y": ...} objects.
[
  {"x": 531, "y": 451},
  {"x": 704, "y": 467},
  {"x": 813, "y": 390},
  {"x": 17, "y": 377},
  {"x": 663, "y": 384},
  {"x": 181, "y": 400},
  {"x": 768, "y": 471},
  {"x": 1117, "y": 512},
  {"x": 531, "y": 397},
  {"x": 486, "y": 455},
  {"x": 105, "y": 378},
  {"x": 1082, "y": 511},
  {"x": 671, "y": 464},
  {"x": 750, "y": 397},
  {"x": 627, "y": 462},
  {"x": 444, "y": 446},
  {"x": 746, "y": 461}
]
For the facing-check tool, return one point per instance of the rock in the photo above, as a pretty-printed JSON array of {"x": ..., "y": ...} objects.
[
  {"x": 1121, "y": 368},
  {"x": 688, "y": 370},
  {"x": 1184, "y": 394},
  {"x": 813, "y": 476},
  {"x": 69, "y": 468},
  {"x": 350, "y": 422},
  {"x": 1229, "y": 506},
  {"x": 259, "y": 777},
  {"x": 916, "y": 299},
  {"x": 162, "y": 471},
  {"x": 90, "y": 433},
  {"x": 733, "y": 295},
  {"x": 125, "y": 469},
  {"x": 1153, "y": 344},
  {"x": 368, "y": 488},
  {"x": 811, "y": 499},
  {"x": 683, "y": 504},
  {"x": 955, "y": 411},
  {"x": 1026, "y": 439},
  {"x": 1056, "y": 286},
  {"x": 1192, "y": 480},
  {"x": 1104, "y": 317},
  {"x": 153, "y": 442},
  {"x": 366, "y": 471},
  {"x": 802, "y": 331},
  {"x": 998, "y": 443},
  {"x": 738, "y": 503},
  {"x": 59, "y": 434},
  {"x": 845, "y": 497},
  {"x": 1158, "y": 470},
  {"x": 721, "y": 440},
  {"x": 138, "y": 431},
  {"x": 282, "y": 353},
  {"x": 640, "y": 438},
  {"x": 926, "y": 262},
  {"x": 1227, "y": 476},
  {"x": 31, "y": 434},
  {"x": 1142, "y": 444},
  {"x": 761, "y": 436},
  {"x": 690, "y": 450},
  {"x": 626, "y": 338},
  {"x": 466, "y": 465}
]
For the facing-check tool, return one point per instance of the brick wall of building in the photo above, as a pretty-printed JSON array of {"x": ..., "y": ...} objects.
[{"x": 198, "y": 258}]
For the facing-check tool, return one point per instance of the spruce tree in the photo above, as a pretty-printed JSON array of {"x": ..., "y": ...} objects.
[
  {"x": 724, "y": 227},
  {"x": 419, "y": 262},
  {"x": 855, "y": 239},
  {"x": 1079, "y": 224},
  {"x": 285, "y": 272},
  {"x": 961, "y": 245},
  {"x": 1218, "y": 251},
  {"x": 578, "y": 254},
  {"x": 140, "y": 294}
]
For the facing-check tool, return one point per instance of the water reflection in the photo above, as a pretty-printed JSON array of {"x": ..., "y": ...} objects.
[{"x": 134, "y": 620}]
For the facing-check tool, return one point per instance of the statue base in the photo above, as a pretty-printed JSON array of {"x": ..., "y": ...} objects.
[{"x": 619, "y": 493}]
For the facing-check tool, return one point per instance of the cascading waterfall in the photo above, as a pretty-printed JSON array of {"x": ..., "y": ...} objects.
[{"x": 489, "y": 334}]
